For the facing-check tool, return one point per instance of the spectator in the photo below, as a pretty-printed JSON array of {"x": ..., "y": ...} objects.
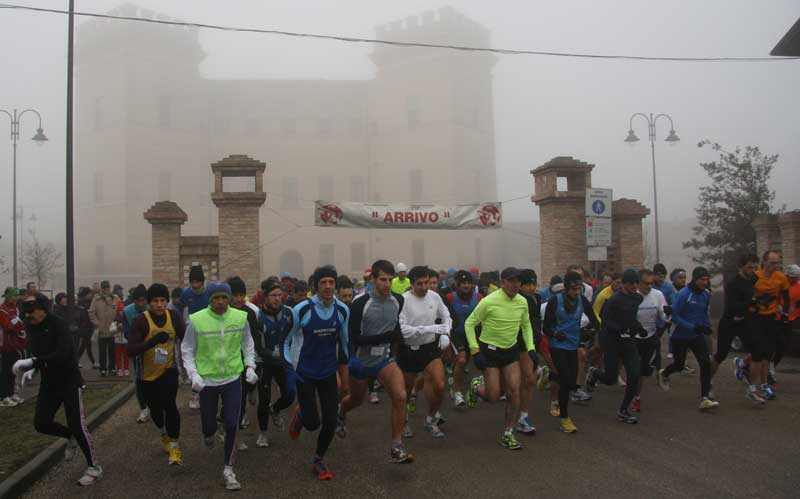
[{"x": 103, "y": 313}]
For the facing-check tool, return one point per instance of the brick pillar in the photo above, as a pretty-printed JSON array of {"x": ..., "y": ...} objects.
[
  {"x": 166, "y": 219},
  {"x": 768, "y": 233},
  {"x": 626, "y": 233},
  {"x": 789, "y": 224}
]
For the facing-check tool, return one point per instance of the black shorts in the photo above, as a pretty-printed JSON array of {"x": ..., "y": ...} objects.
[
  {"x": 460, "y": 341},
  {"x": 499, "y": 357},
  {"x": 647, "y": 354},
  {"x": 764, "y": 333},
  {"x": 416, "y": 359}
]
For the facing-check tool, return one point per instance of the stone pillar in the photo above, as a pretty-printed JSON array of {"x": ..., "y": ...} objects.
[
  {"x": 626, "y": 233},
  {"x": 789, "y": 224},
  {"x": 166, "y": 218},
  {"x": 768, "y": 233},
  {"x": 562, "y": 221},
  {"x": 239, "y": 219}
]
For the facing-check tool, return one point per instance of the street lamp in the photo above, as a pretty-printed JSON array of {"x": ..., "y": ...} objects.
[
  {"x": 671, "y": 139},
  {"x": 40, "y": 138}
]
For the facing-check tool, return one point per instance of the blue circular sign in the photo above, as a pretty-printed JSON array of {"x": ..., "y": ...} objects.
[{"x": 598, "y": 207}]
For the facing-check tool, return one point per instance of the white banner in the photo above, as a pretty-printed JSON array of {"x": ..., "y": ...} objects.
[{"x": 408, "y": 216}]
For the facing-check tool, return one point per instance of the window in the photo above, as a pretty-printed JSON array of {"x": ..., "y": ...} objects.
[
  {"x": 164, "y": 111},
  {"x": 357, "y": 188},
  {"x": 99, "y": 259},
  {"x": 290, "y": 194},
  {"x": 98, "y": 113},
  {"x": 412, "y": 111},
  {"x": 326, "y": 254},
  {"x": 418, "y": 252},
  {"x": 325, "y": 188},
  {"x": 98, "y": 187},
  {"x": 164, "y": 187},
  {"x": 561, "y": 184},
  {"x": 415, "y": 183},
  {"x": 358, "y": 257},
  {"x": 238, "y": 184}
]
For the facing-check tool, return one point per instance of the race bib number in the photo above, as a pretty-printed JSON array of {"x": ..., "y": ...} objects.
[
  {"x": 377, "y": 351},
  {"x": 161, "y": 356}
]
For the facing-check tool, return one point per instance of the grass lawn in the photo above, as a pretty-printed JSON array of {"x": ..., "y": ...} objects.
[{"x": 19, "y": 442}]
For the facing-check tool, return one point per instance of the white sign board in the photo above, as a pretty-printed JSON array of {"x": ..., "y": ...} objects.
[
  {"x": 598, "y": 203},
  {"x": 598, "y": 253},
  {"x": 598, "y": 231},
  {"x": 406, "y": 216}
]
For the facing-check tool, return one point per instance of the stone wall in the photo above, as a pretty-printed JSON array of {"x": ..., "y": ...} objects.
[
  {"x": 238, "y": 243},
  {"x": 780, "y": 233}
]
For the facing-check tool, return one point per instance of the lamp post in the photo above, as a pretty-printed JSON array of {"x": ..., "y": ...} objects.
[
  {"x": 671, "y": 139},
  {"x": 40, "y": 139}
]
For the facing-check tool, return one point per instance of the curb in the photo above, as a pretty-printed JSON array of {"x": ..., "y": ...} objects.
[{"x": 20, "y": 480}]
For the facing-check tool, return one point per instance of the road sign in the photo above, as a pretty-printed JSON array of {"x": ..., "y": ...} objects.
[
  {"x": 598, "y": 203},
  {"x": 598, "y": 253},
  {"x": 598, "y": 231}
]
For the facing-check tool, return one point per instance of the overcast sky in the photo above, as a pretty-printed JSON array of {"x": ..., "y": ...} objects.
[{"x": 544, "y": 106}]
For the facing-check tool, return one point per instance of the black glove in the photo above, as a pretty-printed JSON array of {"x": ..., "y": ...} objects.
[
  {"x": 702, "y": 329},
  {"x": 161, "y": 337},
  {"x": 561, "y": 336},
  {"x": 667, "y": 310},
  {"x": 480, "y": 361}
]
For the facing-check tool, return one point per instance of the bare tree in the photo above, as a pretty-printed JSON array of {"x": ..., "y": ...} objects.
[{"x": 40, "y": 261}]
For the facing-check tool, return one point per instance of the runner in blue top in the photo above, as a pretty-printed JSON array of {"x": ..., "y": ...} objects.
[
  {"x": 463, "y": 301},
  {"x": 194, "y": 299},
  {"x": 315, "y": 344}
]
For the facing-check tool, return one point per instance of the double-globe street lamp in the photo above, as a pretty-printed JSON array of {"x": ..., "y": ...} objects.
[
  {"x": 672, "y": 138},
  {"x": 39, "y": 139}
]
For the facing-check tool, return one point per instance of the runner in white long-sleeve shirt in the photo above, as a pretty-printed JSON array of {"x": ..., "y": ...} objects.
[{"x": 423, "y": 343}]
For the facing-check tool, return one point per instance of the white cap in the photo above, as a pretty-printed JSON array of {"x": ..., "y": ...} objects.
[
  {"x": 401, "y": 267},
  {"x": 793, "y": 271}
]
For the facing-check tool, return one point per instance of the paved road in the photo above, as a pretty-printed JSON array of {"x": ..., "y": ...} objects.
[{"x": 675, "y": 451}]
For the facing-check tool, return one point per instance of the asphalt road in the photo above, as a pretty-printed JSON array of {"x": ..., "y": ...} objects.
[{"x": 675, "y": 451}]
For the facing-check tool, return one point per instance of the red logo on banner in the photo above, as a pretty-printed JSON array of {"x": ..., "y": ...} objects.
[
  {"x": 331, "y": 214},
  {"x": 489, "y": 214}
]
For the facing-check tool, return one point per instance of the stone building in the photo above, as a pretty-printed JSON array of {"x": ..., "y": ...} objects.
[
  {"x": 562, "y": 220},
  {"x": 148, "y": 123},
  {"x": 780, "y": 233}
]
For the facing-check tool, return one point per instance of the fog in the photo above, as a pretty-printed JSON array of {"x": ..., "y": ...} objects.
[{"x": 542, "y": 106}]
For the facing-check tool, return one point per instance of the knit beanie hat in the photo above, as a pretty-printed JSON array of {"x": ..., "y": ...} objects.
[
  {"x": 196, "y": 273},
  {"x": 218, "y": 288},
  {"x": 156, "y": 290},
  {"x": 572, "y": 279},
  {"x": 659, "y": 269},
  {"x": 237, "y": 285},
  {"x": 699, "y": 273},
  {"x": 139, "y": 292},
  {"x": 630, "y": 276}
]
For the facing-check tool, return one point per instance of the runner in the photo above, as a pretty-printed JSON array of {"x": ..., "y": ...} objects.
[
  {"x": 652, "y": 310},
  {"x": 275, "y": 322},
  {"x": 692, "y": 324},
  {"x": 53, "y": 354},
  {"x": 502, "y": 314},
  {"x": 793, "y": 313},
  {"x": 619, "y": 326},
  {"x": 401, "y": 283},
  {"x": 194, "y": 299},
  {"x": 152, "y": 339},
  {"x": 315, "y": 344},
  {"x": 212, "y": 349},
  {"x": 129, "y": 314},
  {"x": 374, "y": 326},
  {"x": 527, "y": 365},
  {"x": 423, "y": 343},
  {"x": 345, "y": 293},
  {"x": 463, "y": 301},
  {"x": 562, "y": 325}
]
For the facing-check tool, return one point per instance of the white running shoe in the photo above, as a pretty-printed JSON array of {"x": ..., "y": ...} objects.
[
  {"x": 708, "y": 404},
  {"x": 71, "y": 449},
  {"x": 91, "y": 475},
  {"x": 262, "y": 440},
  {"x": 16, "y": 398},
  {"x": 243, "y": 446},
  {"x": 194, "y": 402},
  {"x": 144, "y": 414},
  {"x": 373, "y": 398},
  {"x": 229, "y": 478},
  {"x": 7, "y": 402},
  {"x": 459, "y": 399}
]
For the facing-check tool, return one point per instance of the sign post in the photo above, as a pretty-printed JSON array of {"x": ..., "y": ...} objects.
[{"x": 598, "y": 223}]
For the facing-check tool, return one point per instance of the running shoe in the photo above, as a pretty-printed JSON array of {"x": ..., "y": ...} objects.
[
  {"x": 194, "y": 402},
  {"x": 567, "y": 426},
  {"x": 738, "y": 370},
  {"x": 407, "y": 433},
  {"x": 525, "y": 427},
  {"x": 244, "y": 423},
  {"x": 591, "y": 379},
  {"x": 472, "y": 393},
  {"x": 768, "y": 393},
  {"x": 243, "y": 446},
  {"x": 711, "y": 391},
  {"x": 165, "y": 443},
  {"x": 175, "y": 457},
  {"x": 708, "y": 404},
  {"x": 509, "y": 441},
  {"x": 579, "y": 396},
  {"x": 91, "y": 475},
  {"x": 322, "y": 471},
  {"x": 555, "y": 410},
  {"x": 229, "y": 479},
  {"x": 16, "y": 398},
  {"x": 341, "y": 428},
  {"x": 71, "y": 449},
  {"x": 434, "y": 430},
  {"x": 663, "y": 381},
  {"x": 669, "y": 355},
  {"x": 440, "y": 420},
  {"x": 502, "y": 397},
  {"x": 459, "y": 399},
  {"x": 626, "y": 417},
  {"x": 399, "y": 455},
  {"x": 412, "y": 404},
  {"x": 636, "y": 405},
  {"x": 7, "y": 402},
  {"x": 262, "y": 440},
  {"x": 754, "y": 396},
  {"x": 144, "y": 414},
  {"x": 209, "y": 441},
  {"x": 127, "y": 372},
  {"x": 542, "y": 377},
  {"x": 687, "y": 370},
  {"x": 621, "y": 381},
  {"x": 373, "y": 398},
  {"x": 277, "y": 419},
  {"x": 295, "y": 423}
]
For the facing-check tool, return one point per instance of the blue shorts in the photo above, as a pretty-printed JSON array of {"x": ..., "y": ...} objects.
[{"x": 359, "y": 371}]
